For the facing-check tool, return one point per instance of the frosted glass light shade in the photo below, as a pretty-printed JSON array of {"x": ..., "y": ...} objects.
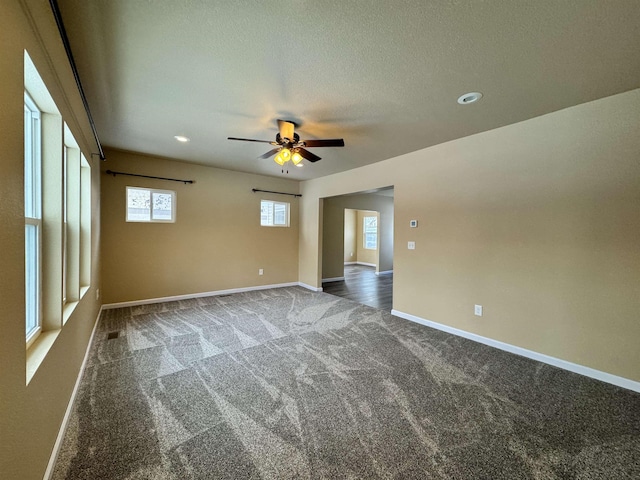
[{"x": 278, "y": 159}]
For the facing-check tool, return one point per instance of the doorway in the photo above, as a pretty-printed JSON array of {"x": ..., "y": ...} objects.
[{"x": 357, "y": 247}]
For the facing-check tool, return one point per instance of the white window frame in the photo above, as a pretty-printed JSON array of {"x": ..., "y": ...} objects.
[
  {"x": 151, "y": 191},
  {"x": 85, "y": 225},
  {"x": 368, "y": 233},
  {"x": 33, "y": 218},
  {"x": 65, "y": 223},
  {"x": 270, "y": 219}
]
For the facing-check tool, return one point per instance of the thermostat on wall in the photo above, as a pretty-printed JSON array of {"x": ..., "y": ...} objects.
[{"x": 413, "y": 223}]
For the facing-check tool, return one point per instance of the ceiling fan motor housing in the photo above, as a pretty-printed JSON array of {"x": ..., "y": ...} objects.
[{"x": 281, "y": 141}]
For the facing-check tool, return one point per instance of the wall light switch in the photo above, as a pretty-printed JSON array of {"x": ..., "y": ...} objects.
[
  {"x": 260, "y": 272},
  {"x": 477, "y": 310},
  {"x": 413, "y": 223},
  {"x": 411, "y": 245}
]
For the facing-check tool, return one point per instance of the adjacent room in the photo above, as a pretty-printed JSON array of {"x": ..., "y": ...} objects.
[{"x": 320, "y": 239}]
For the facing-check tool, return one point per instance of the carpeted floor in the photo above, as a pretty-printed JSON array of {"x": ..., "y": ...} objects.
[{"x": 286, "y": 383}]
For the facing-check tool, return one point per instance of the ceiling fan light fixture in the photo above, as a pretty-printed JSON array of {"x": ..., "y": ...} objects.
[
  {"x": 279, "y": 159},
  {"x": 288, "y": 146}
]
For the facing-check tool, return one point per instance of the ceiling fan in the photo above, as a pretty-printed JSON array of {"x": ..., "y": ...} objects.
[{"x": 289, "y": 147}]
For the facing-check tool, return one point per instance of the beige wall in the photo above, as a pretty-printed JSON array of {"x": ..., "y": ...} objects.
[
  {"x": 350, "y": 245},
  {"x": 365, "y": 255},
  {"x": 537, "y": 221},
  {"x": 217, "y": 242},
  {"x": 332, "y": 245},
  {"x": 30, "y": 416}
]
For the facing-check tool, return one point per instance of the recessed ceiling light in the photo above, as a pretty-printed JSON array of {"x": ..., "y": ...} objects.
[
  {"x": 300, "y": 165},
  {"x": 469, "y": 98},
  {"x": 182, "y": 138}
]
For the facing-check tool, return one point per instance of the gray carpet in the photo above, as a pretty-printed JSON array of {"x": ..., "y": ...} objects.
[{"x": 286, "y": 383}]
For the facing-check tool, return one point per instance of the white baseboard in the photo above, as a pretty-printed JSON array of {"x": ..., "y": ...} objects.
[
  {"x": 309, "y": 287},
  {"x": 386, "y": 272},
  {"x": 198, "y": 295},
  {"x": 350, "y": 263},
  {"x": 540, "y": 357},
  {"x": 67, "y": 414},
  {"x": 367, "y": 264},
  {"x": 334, "y": 279}
]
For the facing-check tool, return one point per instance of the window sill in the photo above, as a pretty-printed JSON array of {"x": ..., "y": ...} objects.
[
  {"x": 67, "y": 310},
  {"x": 83, "y": 291},
  {"x": 38, "y": 351}
]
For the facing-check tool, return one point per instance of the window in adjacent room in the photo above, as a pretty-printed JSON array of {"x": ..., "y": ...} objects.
[
  {"x": 150, "y": 205},
  {"x": 370, "y": 231},
  {"x": 33, "y": 217},
  {"x": 274, "y": 214}
]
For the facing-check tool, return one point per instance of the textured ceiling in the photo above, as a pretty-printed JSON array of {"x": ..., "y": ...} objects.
[{"x": 383, "y": 75}]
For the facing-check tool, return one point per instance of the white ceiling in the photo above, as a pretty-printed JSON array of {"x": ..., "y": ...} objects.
[{"x": 383, "y": 75}]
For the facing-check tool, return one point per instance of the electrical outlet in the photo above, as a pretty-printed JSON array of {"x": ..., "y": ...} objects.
[
  {"x": 261, "y": 272},
  {"x": 477, "y": 310},
  {"x": 411, "y": 245}
]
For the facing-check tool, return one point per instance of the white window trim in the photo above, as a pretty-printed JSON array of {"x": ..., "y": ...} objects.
[
  {"x": 364, "y": 232},
  {"x": 273, "y": 203},
  {"x": 32, "y": 335},
  {"x": 65, "y": 224},
  {"x": 151, "y": 192},
  {"x": 33, "y": 159}
]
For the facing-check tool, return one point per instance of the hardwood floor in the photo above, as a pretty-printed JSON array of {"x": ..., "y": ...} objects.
[{"x": 362, "y": 285}]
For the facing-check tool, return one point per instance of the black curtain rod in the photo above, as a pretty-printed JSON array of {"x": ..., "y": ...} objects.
[
  {"x": 76, "y": 75},
  {"x": 254, "y": 190},
  {"x": 111, "y": 172}
]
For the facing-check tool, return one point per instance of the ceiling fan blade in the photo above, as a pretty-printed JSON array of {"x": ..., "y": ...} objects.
[
  {"x": 249, "y": 140},
  {"x": 286, "y": 129},
  {"x": 270, "y": 153},
  {"x": 334, "y": 142},
  {"x": 308, "y": 155}
]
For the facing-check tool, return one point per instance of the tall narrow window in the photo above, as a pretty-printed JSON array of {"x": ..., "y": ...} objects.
[
  {"x": 32, "y": 217},
  {"x": 71, "y": 229},
  {"x": 65, "y": 224},
  {"x": 370, "y": 231},
  {"x": 85, "y": 224}
]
